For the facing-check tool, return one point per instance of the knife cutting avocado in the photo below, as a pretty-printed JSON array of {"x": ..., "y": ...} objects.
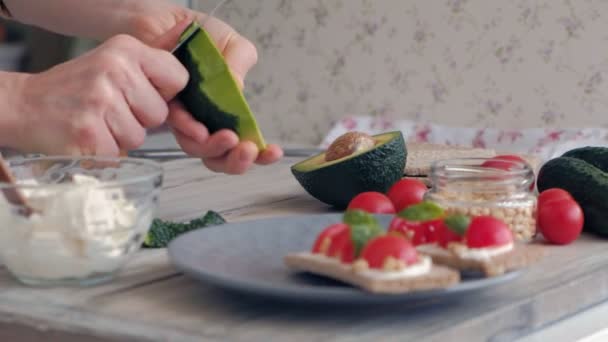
[{"x": 212, "y": 95}]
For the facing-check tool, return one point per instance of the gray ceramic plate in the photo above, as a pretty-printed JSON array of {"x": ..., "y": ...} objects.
[{"x": 247, "y": 257}]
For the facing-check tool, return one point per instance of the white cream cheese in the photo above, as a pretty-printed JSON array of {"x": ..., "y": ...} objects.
[
  {"x": 433, "y": 249},
  {"x": 423, "y": 266},
  {"x": 78, "y": 233},
  {"x": 465, "y": 252},
  {"x": 484, "y": 253}
]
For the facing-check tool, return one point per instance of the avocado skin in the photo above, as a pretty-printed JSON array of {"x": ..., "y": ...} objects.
[
  {"x": 212, "y": 95},
  {"x": 375, "y": 170},
  {"x": 198, "y": 103},
  {"x": 585, "y": 182}
]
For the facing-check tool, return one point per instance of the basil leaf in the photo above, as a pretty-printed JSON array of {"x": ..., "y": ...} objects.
[
  {"x": 424, "y": 211},
  {"x": 458, "y": 223},
  {"x": 363, "y": 227}
]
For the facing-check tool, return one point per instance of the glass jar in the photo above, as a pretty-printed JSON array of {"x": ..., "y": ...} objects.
[{"x": 464, "y": 186}]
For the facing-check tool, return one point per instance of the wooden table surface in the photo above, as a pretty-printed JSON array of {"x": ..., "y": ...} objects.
[{"x": 151, "y": 301}]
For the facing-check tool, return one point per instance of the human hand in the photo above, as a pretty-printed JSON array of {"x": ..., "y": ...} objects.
[
  {"x": 221, "y": 151},
  {"x": 100, "y": 103}
]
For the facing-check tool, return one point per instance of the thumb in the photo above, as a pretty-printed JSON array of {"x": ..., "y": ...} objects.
[{"x": 170, "y": 38}]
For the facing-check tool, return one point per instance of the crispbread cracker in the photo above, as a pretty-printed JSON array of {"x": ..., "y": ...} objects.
[
  {"x": 439, "y": 276},
  {"x": 420, "y": 156},
  {"x": 521, "y": 256}
]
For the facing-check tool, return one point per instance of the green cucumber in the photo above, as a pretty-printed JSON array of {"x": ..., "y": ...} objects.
[
  {"x": 587, "y": 184},
  {"x": 594, "y": 155}
]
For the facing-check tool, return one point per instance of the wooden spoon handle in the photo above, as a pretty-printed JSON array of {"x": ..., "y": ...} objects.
[{"x": 12, "y": 194}]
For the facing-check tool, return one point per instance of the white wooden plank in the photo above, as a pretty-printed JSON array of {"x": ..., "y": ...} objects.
[{"x": 150, "y": 301}]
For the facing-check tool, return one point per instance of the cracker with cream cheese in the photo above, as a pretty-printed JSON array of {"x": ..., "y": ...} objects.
[
  {"x": 521, "y": 256},
  {"x": 437, "y": 277}
]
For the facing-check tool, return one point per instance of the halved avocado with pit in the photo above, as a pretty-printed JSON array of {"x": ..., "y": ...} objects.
[
  {"x": 374, "y": 168},
  {"x": 212, "y": 95}
]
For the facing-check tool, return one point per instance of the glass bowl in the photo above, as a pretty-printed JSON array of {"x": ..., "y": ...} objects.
[{"x": 90, "y": 215}]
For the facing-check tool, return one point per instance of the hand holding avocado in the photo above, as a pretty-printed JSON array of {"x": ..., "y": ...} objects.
[
  {"x": 103, "y": 102},
  {"x": 213, "y": 103}
]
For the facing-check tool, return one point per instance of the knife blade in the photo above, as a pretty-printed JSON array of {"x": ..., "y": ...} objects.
[
  {"x": 176, "y": 153},
  {"x": 192, "y": 32}
]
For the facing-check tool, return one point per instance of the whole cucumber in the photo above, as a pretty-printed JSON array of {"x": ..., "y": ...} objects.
[
  {"x": 594, "y": 155},
  {"x": 588, "y": 185}
]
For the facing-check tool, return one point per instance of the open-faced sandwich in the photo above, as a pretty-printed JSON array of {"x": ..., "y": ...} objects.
[
  {"x": 357, "y": 251},
  {"x": 480, "y": 243}
]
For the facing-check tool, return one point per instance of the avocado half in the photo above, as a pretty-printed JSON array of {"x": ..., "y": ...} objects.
[
  {"x": 336, "y": 182},
  {"x": 212, "y": 95}
]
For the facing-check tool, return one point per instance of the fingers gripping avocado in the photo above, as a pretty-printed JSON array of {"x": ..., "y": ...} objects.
[
  {"x": 354, "y": 163},
  {"x": 212, "y": 95}
]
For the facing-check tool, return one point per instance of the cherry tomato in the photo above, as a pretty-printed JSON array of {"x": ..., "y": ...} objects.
[
  {"x": 506, "y": 162},
  {"x": 503, "y": 162},
  {"x": 325, "y": 239},
  {"x": 560, "y": 221},
  {"x": 377, "y": 250},
  {"x": 445, "y": 235},
  {"x": 372, "y": 202},
  {"x": 342, "y": 247},
  {"x": 551, "y": 195},
  {"x": 487, "y": 231},
  {"x": 418, "y": 232},
  {"x": 406, "y": 192}
]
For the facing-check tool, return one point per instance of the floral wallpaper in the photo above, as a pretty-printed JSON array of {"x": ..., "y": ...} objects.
[{"x": 472, "y": 63}]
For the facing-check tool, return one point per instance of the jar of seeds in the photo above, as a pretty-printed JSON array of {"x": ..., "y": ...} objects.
[{"x": 467, "y": 186}]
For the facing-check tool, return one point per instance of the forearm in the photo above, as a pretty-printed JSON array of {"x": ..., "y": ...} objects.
[
  {"x": 11, "y": 85},
  {"x": 97, "y": 19}
]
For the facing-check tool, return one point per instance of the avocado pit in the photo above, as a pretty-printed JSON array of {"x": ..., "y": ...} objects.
[{"x": 349, "y": 143}]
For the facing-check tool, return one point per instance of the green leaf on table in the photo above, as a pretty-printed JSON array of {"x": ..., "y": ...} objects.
[{"x": 162, "y": 232}]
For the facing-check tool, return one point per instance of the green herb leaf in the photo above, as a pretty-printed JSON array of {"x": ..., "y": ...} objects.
[
  {"x": 363, "y": 227},
  {"x": 424, "y": 211},
  {"x": 458, "y": 223},
  {"x": 162, "y": 232}
]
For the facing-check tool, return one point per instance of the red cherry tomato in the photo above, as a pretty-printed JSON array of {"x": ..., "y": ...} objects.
[
  {"x": 342, "y": 247},
  {"x": 445, "y": 235},
  {"x": 372, "y": 202},
  {"x": 325, "y": 239},
  {"x": 487, "y": 231},
  {"x": 553, "y": 194},
  {"x": 406, "y": 192},
  {"x": 377, "y": 250},
  {"x": 503, "y": 162},
  {"x": 560, "y": 221},
  {"x": 506, "y": 162},
  {"x": 419, "y": 233}
]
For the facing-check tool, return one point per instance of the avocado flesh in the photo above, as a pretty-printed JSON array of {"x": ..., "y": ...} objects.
[
  {"x": 212, "y": 95},
  {"x": 338, "y": 181},
  {"x": 319, "y": 161}
]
